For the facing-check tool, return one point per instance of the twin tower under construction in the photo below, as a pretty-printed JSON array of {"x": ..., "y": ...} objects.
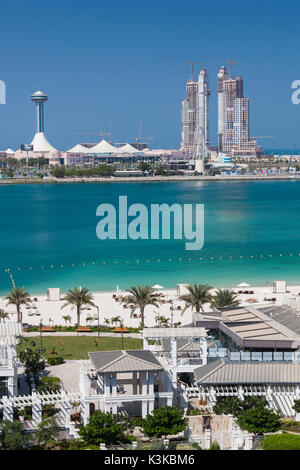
[{"x": 233, "y": 117}]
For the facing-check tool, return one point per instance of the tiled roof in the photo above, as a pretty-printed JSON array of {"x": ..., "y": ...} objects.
[{"x": 124, "y": 361}]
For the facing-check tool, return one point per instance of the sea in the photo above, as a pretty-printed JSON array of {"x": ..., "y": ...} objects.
[{"x": 48, "y": 236}]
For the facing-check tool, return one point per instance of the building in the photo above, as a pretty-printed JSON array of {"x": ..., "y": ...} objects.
[
  {"x": 188, "y": 117},
  {"x": 130, "y": 382},
  {"x": 201, "y": 135},
  {"x": 233, "y": 118},
  {"x": 9, "y": 333}
]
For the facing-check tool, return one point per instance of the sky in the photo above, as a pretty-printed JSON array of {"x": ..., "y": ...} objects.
[{"x": 126, "y": 62}]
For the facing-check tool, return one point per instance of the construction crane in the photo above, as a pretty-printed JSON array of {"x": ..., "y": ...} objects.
[
  {"x": 192, "y": 69},
  {"x": 230, "y": 62}
]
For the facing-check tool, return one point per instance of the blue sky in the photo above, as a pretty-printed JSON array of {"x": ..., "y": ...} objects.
[{"x": 126, "y": 61}]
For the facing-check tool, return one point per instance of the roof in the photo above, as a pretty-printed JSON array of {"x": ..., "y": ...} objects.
[
  {"x": 40, "y": 143},
  {"x": 127, "y": 148},
  {"x": 183, "y": 344},
  {"x": 124, "y": 361},
  {"x": 284, "y": 314},
  {"x": 193, "y": 332},
  {"x": 78, "y": 149},
  {"x": 10, "y": 329},
  {"x": 221, "y": 371},
  {"x": 103, "y": 147},
  {"x": 250, "y": 327}
]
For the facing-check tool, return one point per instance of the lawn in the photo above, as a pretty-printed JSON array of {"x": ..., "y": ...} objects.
[{"x": 77, "y": 347}]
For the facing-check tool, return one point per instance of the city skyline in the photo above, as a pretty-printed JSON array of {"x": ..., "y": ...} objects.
[{"x": 105, "y": 74}]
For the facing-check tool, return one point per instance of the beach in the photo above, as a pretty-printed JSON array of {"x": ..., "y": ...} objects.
[{"x": 50, "y": 313}]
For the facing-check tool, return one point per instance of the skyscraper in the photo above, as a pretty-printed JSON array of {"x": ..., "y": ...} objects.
[
  {"x": 188, "y": 117},
  {"x": 201, "y": 136},
  {"x": 233, "y": 117}
]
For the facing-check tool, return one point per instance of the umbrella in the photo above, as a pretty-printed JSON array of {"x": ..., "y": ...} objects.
[
  {"x": 157, "y": 286},
  {"x": 243, "y": 284}
]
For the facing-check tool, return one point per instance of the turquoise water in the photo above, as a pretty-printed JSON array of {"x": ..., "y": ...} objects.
[{"x": 55, "y": 225}]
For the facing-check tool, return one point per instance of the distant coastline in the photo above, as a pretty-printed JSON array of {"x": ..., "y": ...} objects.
[{"x": 151, "y": 179}]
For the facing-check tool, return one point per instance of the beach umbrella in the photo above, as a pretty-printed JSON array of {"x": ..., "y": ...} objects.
[
  {"x": 243, "y": 284},
  {"x": 157, "y": 286}
]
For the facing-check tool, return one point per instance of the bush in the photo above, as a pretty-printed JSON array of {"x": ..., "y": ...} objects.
[
  {"x": 281, "y": 442},
  {"x": 193, "y": 412},
  {"x": 55, "y": 361},
  {"x": 49, "y": 384},
  {"x": 164, "y": 421},
  {"x": 297, "y": 406},
  {"x": 214, "y": 446}
]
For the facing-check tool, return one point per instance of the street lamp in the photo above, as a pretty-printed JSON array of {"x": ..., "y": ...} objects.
[{"x": 41, "y": 336}]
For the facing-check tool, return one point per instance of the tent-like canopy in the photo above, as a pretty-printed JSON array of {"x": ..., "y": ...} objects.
[
  {"x": 40, "y": 143},
  {"x": 127, "y": 148},
  {"x": 78, "y": 149},
  {"x": 103, "y": 147}
]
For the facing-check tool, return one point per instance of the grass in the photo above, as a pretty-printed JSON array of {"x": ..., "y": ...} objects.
[{"x": 78, "y": 347}]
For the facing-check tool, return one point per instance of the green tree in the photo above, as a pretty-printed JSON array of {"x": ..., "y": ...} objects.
[
  {"x": 140, "y": 297},
  {"x": 18, "y": 296},
  {"x": 47, "y": 432},
  {"x": 164, "y": 421},
  {"x": 259, "y": 420},
  {"x": 67, "y": 318},
  {"x": 13, "y": 436},
  {"x": 78, "y": 297},
  {"x": 224, "y": 298},
  {"x": 228, "y": 406},
  {"x": 104, "y": 427},
  {"x": 58, "y": 172},
  {"x": 33, "y": 361},
  {"x": 197, "y": 296}
]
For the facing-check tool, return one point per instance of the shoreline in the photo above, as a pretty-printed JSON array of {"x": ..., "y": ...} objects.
[{"x": 150, "y": 179}]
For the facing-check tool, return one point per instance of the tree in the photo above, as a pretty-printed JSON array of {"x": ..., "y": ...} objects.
[
  {"x": 140, "y": 297},
  {"x": 78, "y": 297},
  {"x": 198, "y": 295},
  {"x": 13, "y": 436},
  {"x": 259, "y": 420},
  {"x": 104, "y": 427},
  {"x": 228, "y": 406},
  {"x": 3, "y": 315},
  {"x": 214, "y": 446},
  {"x": 32, "y": 360},
  {"x": 224, "y": 298},
  {"x": 67, "y": 318},
  {"x": 47, "y": 432},
  {"x": 234, "y": 406},
  {"x": 164, "y": 421},
  {"x": 18, "y": 296}
]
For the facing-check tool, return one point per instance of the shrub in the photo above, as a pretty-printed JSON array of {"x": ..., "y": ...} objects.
[
  {"x": 297, "y": 406},
  {"x": 55, "y": 361},
  {"x": 164, "y": 421},
  {"x": 284, "y": 441},
  {"x": 214, "y": 446}
]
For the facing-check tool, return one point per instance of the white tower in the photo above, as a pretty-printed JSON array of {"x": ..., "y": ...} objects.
[{"x": 201, "y": 137}]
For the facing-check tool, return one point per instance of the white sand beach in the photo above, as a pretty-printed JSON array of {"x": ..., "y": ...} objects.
[{"x": 50, "y": 313}]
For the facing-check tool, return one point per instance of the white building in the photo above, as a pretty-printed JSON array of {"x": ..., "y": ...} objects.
[
  {"x": 9, "y": 333},
  {"x": 201, "y": 136}
]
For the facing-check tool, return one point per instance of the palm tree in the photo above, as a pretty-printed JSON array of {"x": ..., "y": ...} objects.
[
  {"x": 78, "y": 297},
  {"x": 3, "y": 315},
  {"x": 224, "y": 298},
  {"x": 18, "y": 296},
  {"x": 198, "y": 295},
  {"x": 67, "y": 319},
  {"x": 140, "y": 297}
]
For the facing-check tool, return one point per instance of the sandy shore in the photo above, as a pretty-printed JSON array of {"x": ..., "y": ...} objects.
[
  {"x": 50, "y": 312},
  {"x": 153, "y": 179}
]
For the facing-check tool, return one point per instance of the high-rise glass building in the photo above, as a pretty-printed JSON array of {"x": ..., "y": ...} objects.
[{"x": 188, "y": 117}]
